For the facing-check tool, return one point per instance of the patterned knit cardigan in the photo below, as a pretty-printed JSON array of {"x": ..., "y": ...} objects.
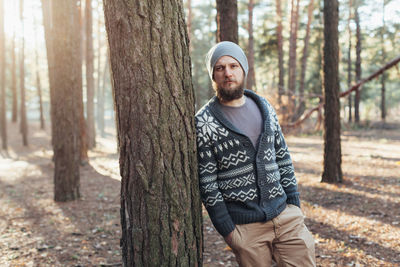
[{"x": 239, "y": 183}]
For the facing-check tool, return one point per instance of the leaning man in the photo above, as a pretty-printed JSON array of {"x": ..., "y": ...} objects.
[{"x": 247, "y": 180}]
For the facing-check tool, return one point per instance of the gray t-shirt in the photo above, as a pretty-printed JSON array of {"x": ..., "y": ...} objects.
[{"x": 246, "y": 118}]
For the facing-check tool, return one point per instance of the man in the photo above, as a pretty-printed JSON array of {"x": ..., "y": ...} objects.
[{"x": 247, "y": 180}]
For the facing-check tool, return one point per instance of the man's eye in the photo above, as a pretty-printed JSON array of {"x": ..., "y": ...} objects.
[
  {"x": 235, "y": 66},
  {"x": 219, "y": 68}
]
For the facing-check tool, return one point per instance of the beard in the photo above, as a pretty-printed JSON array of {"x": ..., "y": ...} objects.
[{"x": 229, "y": 94}]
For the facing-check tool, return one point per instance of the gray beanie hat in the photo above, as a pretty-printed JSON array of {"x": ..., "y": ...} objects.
[{"x": 226, "y": 49}]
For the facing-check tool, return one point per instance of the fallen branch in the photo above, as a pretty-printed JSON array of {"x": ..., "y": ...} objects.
[
  {"x": 372, "y": 76},
  {"x": 343, "y": 94}
]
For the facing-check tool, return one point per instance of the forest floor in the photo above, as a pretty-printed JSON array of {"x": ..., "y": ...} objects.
[{"x": 356, "y": 223}]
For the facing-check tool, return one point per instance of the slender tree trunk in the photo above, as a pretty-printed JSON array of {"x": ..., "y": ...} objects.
[
  {"x": 227, "y": 22},
  {"x": 24, "y": 124},
  {"x": 48, "y": 32},
  {"x": 302, "y": 105},
  {"x": 383, "y": 77},
  {"x": 332, "y": 148},
  {"x": 14, "y": 80},
  {"x": 38, "y": 84},
  {"x": 81, "y": 52},
  {"x": 67, "y": 95},
  {"x": 102, "y": 94},
  {"x": 154, "y": 98},
  {"x": 281, "y": 82},
  {"x": 349, "y": 62},
  {"x": 292, "y": 67},
  {"x": 358, "y": 65},
  {"x": 91, "y": 131},
  {"x": 99, "y": 94},
  {"x": 251, "y": 77},
  {"x": 3, "y": 117}
]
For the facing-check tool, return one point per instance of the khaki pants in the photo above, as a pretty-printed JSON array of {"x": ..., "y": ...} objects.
[{"x": 285, "y": 238}]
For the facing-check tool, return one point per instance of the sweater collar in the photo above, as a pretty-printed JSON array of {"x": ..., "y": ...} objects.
[{"x": 216, "y": 111}]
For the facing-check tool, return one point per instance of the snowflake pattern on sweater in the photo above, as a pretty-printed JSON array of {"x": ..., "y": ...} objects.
[{"x": 240, "y": 183}]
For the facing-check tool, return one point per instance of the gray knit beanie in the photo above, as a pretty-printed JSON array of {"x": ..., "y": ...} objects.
[{"x": 226, "y": 49}]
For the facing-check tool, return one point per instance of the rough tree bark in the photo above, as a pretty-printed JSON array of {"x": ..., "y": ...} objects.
[
  {"x": 332, "y": 149},
  {"x": 227, "y": 22},
  {"x": 358, "y": 64},
  {"x": 67, "y": 94},
  {"x": 281, "y": 82},
  {"x": 91, "y": 131},
  {"x": 251, "y": 77},
  {"x": 3, "y": 120},
  {"x": 23, "y": 122},
  {"x": 154, "y": 98},
  {"x": 302, "y": 106}
]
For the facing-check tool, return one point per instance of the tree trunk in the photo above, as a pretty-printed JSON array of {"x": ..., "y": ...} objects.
[
  {"x": 91, "y": 132},
  {"x": 48, "y": 32},
  {"x": 292, "y": 68},
  {"x": 251, "y": 77},
  {"x": 302, "y": 106},
  {"x": 101, "y": 96},
  {"x": 332, "y": 149},
  {"x": 154, "y": 101},
  {"x": 38, "y": 84},
  {"x": 14, "y": 81},
  {"x": 3, "y": 117},
  {"x": 383, "y": 77},
  {"x": 67, "y": 95},
  {"x": 358, "y": 65},
  {"x": 281, "y": 82},
  {"x": 23, "y": 124},
  {"x": 227, "y": 22},
  {"x": 349, "y": 62},
  {"x": 100, "y": 91},
  {"x": 189, "y": 21},
  {"x": 83, "y": 125}
]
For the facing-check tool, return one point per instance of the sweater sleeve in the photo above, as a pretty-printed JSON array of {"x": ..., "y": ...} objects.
[
  {"x": 209, "y": 191},
  {"x": 285, "y": 165}
]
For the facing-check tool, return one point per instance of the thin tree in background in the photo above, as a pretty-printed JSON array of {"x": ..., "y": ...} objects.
[
  {"x": 349, "y": 61},
  {"x": 38, "y": 83},
  {"x": 358, "y": 64},
  {"x": 99, "y": 87},
  {"x": 81, "y": 51},
  {"x": 23, "y": 122},
  {"x": 67, "y": 95},
  {"x": 91, "y": 131},
  {"x": 383, "y": 77},
  {"x": 227, "y": 21},
  {"x": 48, "y": 33},
  {"x": 3, "y": 119},
  {"x": 279, "y": 27},
  {"x": 14, "y": 90},
  {"x": 302, "y": 105},
  {"x": 251, "y": 77},
  {"x": 154, "y": 101},
  {"x": 292, "y": 66},
  {"x": 332, "y": 172}
]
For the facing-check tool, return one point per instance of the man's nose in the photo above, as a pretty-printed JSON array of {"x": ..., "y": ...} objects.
[{"x": 228, "y": 72}]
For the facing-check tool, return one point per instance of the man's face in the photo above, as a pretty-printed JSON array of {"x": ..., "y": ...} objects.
[{"x": 228, "y": 78}]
